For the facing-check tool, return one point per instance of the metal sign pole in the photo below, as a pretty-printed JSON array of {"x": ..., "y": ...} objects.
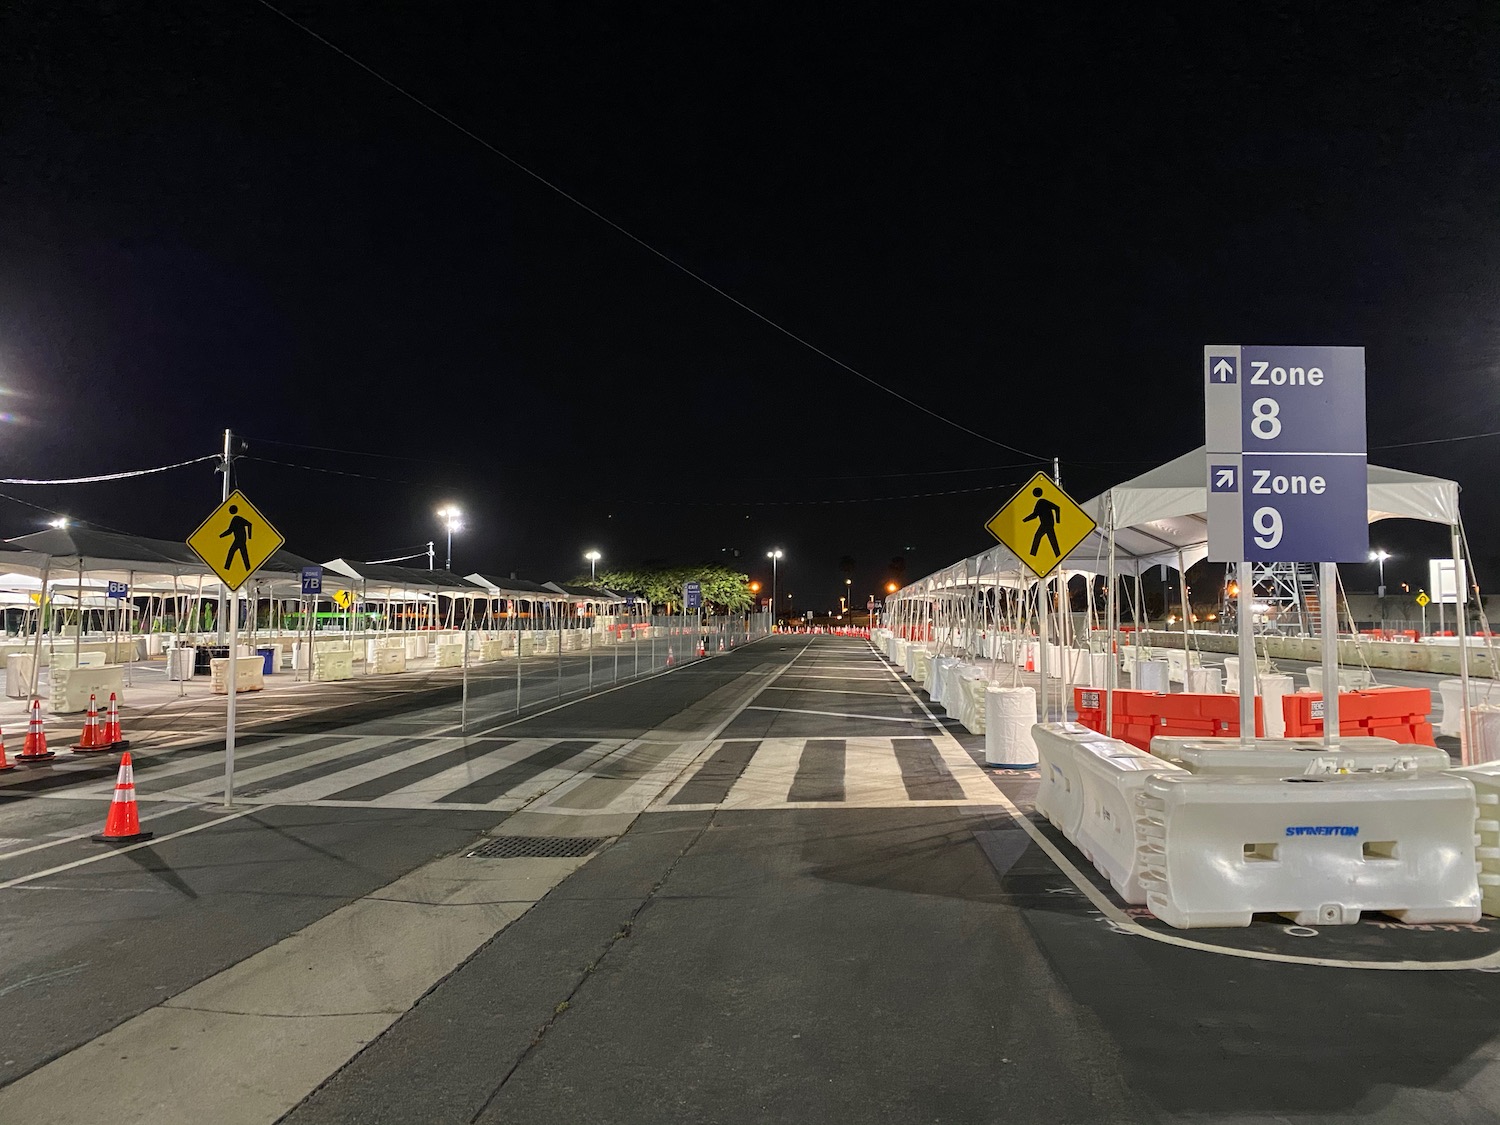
[
  {"x": 463, "y": 706},
  {"x": 231, "y": 599},
  {"x": 1328, "y": 610},
  {"x": 1245, "y": 619},
  {"x": 1041, "y": 657}
]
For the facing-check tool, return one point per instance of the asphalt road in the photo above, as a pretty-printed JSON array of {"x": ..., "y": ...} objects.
[{"x": 797, "y": 897}]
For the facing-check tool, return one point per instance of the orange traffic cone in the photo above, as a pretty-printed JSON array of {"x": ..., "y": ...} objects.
[
  {"x": 112, "y": 737},
  {"x": 123, "y": 824},
  {"x": 721, "y": 644},
  {"x": 92, "y": 741},
  {"x": 35, "y": 748},
  {"x": 4, "y": 764},
  {"x": 670, "y": 661}
]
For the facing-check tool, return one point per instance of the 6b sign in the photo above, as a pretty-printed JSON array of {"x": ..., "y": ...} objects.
[{"x": 1287, "y": 477}]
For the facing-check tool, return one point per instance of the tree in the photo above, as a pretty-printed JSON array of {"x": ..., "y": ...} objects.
[{"x": 723, "y": 587}]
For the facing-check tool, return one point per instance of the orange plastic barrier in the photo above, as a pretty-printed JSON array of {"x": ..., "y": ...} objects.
[
  {"x": 1142, "y": 715},
  {"x": 1400, "y": 714}
]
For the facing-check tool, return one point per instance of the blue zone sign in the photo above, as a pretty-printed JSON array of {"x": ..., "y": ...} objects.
[
  {"x": 693, "y": 592},
  {"x": 117, "y": 590},
  {"x": 1287, "y": 472},
  {"x": 312, "y": 580}
]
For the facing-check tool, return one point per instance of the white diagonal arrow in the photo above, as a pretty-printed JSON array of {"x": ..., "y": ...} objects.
[{"x": 1225, "y": 478}]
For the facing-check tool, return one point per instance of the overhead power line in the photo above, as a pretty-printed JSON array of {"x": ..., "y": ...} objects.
[
  {"x": 641, "y": 242},
  {"x": 112, "y": 476}
]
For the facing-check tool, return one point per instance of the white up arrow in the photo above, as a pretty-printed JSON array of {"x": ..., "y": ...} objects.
[{"x": 1223, "y": 369}]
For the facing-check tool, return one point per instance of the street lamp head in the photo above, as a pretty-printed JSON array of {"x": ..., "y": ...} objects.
[
  {"x": 593, "y": 556},
  {"x": 776, "y": 554},
  {"x": 450, "y": 516},
  {"x": 59, "y": 522},
  {"x": 1379, "y": 556}
]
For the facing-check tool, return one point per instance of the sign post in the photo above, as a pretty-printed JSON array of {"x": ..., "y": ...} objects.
[
  {"x": 1287, "y": 481},
  {"x": 312, "y": 586},
  {"x": 251, "y": 541},
  {"x": 1041, "y": 524}
]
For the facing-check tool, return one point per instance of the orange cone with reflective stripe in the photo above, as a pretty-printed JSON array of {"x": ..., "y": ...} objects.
[
  {"x": 123, "y": 824},
  {"x": 112, "y": 738},
  {"x": 35, "y": 748},
  {"x": 4, "y": 765},
  {"x": 92, "y": 741}
]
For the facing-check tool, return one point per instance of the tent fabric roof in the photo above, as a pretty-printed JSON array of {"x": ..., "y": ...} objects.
[
  {"x": 1164, "y": 511},
  {"x": 591, "y": 593},
  {"x": 519, "y": 588},
  {"x": 385, "y": 580}
]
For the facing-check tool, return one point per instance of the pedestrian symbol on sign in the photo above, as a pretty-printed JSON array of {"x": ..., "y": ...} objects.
[
  {"x": 240, "y": 530},
  {"x": 1046, "y": 514}
]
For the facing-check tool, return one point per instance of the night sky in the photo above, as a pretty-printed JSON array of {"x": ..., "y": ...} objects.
[{"x": 1027, "y": 220}]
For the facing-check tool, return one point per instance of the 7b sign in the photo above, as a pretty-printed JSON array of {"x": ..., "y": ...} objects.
[{"x": 1287, "y": 476}]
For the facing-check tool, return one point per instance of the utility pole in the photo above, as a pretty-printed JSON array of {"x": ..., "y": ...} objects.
[{"x": 224, "y": 467}]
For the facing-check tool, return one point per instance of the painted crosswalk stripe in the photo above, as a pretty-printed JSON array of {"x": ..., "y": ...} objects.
[
  {"x": 924, "y": 774},
  {"x": 386, "y": 783},
  {"x": 503, "y": 780},
  {"x": 820, "y": 773},
  {"x": 713, "y": 780}
]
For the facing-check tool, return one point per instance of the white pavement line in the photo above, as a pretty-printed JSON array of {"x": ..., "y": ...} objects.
[
  {"x": 86, "y": 835},
  {"x": 835, "y": 691},
  {"x": 255, "y": 774},
  {"x": 768, "y": 777},
  {"x": 872, "y": 773},
  {"x": 1124, "y": 924},
  {"x": 429, "y": 789},
  {"x": 845, "y": 715},
  {"x": 113, "y": 851},
  {"x": 841, "y": 679},
  {"x": 246, "y": 1045}
]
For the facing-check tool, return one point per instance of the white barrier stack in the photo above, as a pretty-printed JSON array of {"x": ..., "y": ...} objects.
[
  {"x": 1481, "y": 693},
  {"x": 1486, "y": 781},
  {"x": 1112, "y": 774},
  {"x": 1151, "y": 675},
  {"x": 448, "y": 654},
  {"x": 920, "y": 661},
  {"x": 1010, "y": 713},
  {"x": 1274, "y": 687},
  {"x": 1350, "y": 679},
  {"x": 1293, "y": 757},
  {"x": 973, "y": 712},
  {"x": 1205, "y": 681},
  {"x": 940, "y": 681},
  {"x": 1485, "y": 746},
  {"x": 898, "y": 651},
  {"x": 1319, "y": 850},
  {"x": 1059, "y": 797}
]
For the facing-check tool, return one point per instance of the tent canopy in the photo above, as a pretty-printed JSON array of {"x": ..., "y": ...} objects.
[
  {"x": 519, "y": 589},
  {"x": 1160, "y": 517}
]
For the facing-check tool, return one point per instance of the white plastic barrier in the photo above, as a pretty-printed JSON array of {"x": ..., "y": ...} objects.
[
  {"x": 389, "y": 660},
  {"x": 333, "y": 664},
  {"x": 19, "y": 667},
  {"x": 1274, "y": 687},
  {"x": 1112, "y": 773},
  {"x": 1178, "y": 663},
  {"x": 1209, "y": 681},
  {"x": 899, "y": 646},
  {"x": 449, "y": 655},
  {"x": 940, "y": 676},
  {"x": 181, "y": 663},
  {"x": 1485, "y": 723},
  {"x": 1452, "y": 693},
  {"x": 1486, "y": 781},
  {"x": 249, "y": 674},
  {"x": 974, "y": 691},
  {"x": 1294, "y": 757},
  {"x": 1010, "y": 713},
  {"x": 1059, "y": 797},
  {"x": 71, "y": 687},
  {"x": 1350, "y": 679},
  {"x": 1151, "y": 675},
  {"x": 919, "y": 661},
  {"x": 1320, "y": 850}
]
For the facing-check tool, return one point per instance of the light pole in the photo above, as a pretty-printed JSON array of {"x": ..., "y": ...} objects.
[
  {"x": 593, "y": 557},
  {"x": 1379, "y": 558},
  {"x": 450, "y": 517},
  {"x": 773, "y": 556}
]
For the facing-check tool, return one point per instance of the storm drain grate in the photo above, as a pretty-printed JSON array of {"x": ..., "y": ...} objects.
[{"x": 536, "y": 847}]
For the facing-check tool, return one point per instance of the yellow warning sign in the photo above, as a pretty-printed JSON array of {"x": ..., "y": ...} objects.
[
  {"x": 1422, "y": 598},
  {"x": 343, "y": 599},
  {"x": 235, "y": 541},
  {"x": 1041, "y": 524}
]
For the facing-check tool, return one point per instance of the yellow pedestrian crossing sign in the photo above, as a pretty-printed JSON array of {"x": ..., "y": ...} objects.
[
  {"x": 235, "y": 541},
  {"x": 343, "y": 599},
  {"x": 1040, "y": 524}
]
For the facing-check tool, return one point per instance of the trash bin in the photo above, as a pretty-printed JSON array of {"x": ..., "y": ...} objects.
[{"x": 268, "y": 655}]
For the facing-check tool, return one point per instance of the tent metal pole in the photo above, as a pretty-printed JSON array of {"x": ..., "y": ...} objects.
[
  {"x": 1186, "y": 656},
  {"x": 1112, "y": 672},
  {"x": 1245, "y": 620},
  {"x": 1328, "y": 611},
  {"x": 36, "y": 651},
  {"x": 1466, "y": 740}
]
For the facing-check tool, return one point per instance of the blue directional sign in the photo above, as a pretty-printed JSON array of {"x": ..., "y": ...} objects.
[
  {"x": 118, "y": 590},
  {"x": 1287, "y": 477},
  {"x": 312, "y": 581},
  {"x": 693, "y": 595},
  {"x": 629, "y": 601}
]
